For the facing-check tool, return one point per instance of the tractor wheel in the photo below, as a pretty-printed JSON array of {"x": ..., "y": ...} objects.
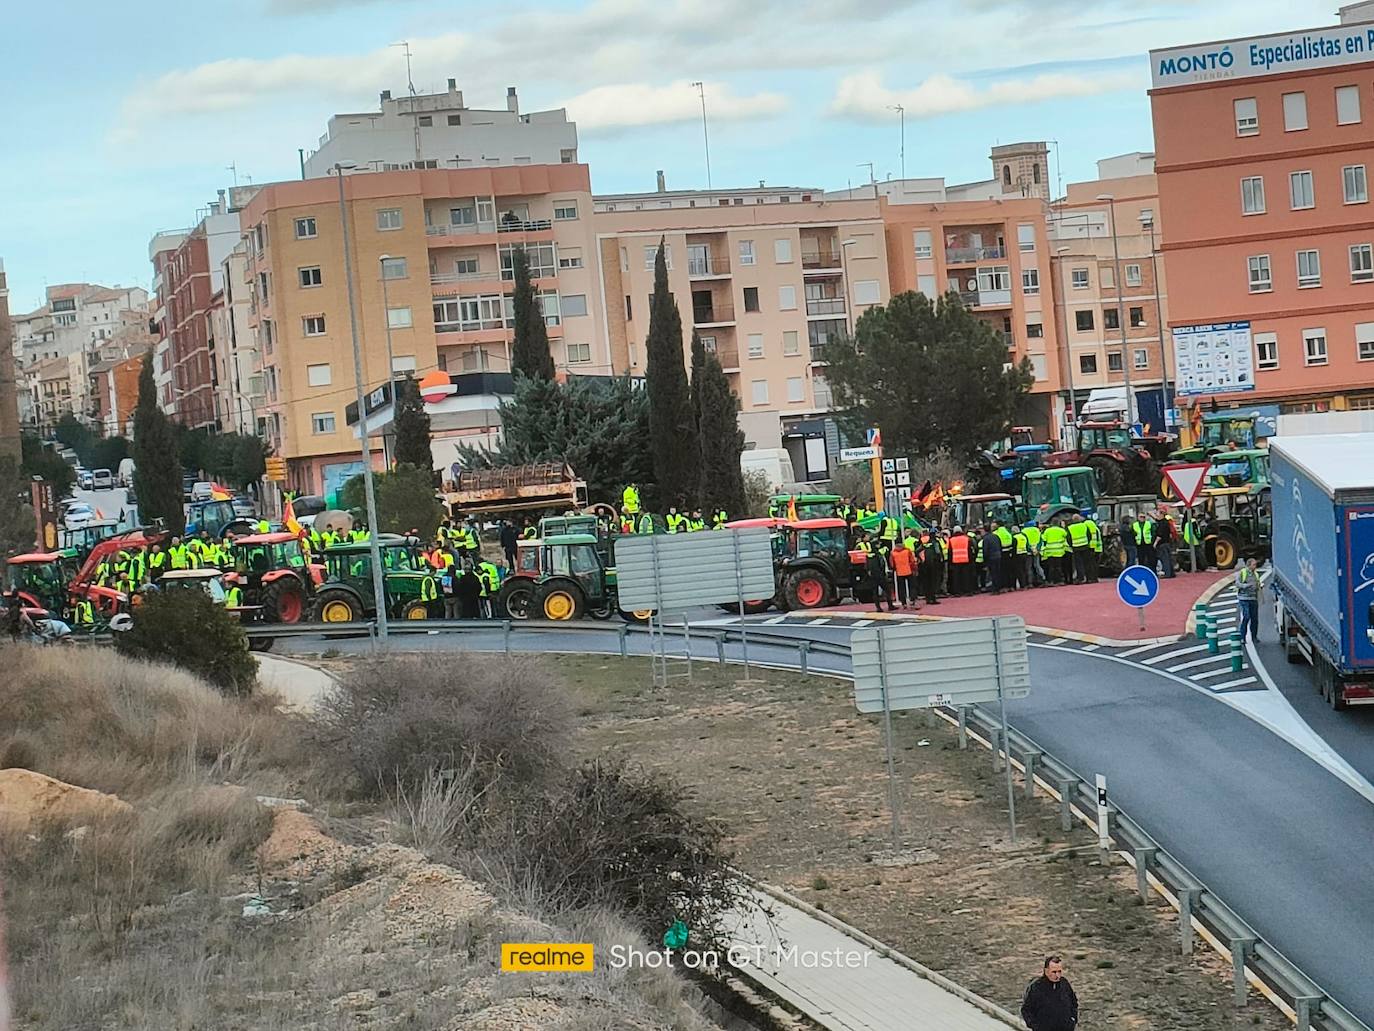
[
  {"x": 751, "y": 608},
  {"x": 415, "y": 609},
  {"x": 806, "y": 589},
  {"x": 1227, "y": 551},
  {"x": 337, "y": 607},
  {"x": 1111, "y": 478},
  {"x": 560, "y": 600},
  {"x": 284, "y": 601},
  {"x": 515, "y": 596},
  {"x": 637, "y": 616},
  {"x": 261, "y": 644}
]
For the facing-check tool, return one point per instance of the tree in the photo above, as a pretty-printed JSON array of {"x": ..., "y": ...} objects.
[
  {"x": 717, "y": 417},
  {"x": 412, "y": 427},
  {"x": 250, "y": 459},
  {"x": 41, "y": 460},
  {"x": 195, "y": 447},
  {"x": 530, "y": 353},
  {"x": 157, "y": 470},
  {"x": 186, "y": 628},
  {"x": 930, "y": 374},
  {"x": 79, "y": 437},
  {"x": 16, "y": 517},
  {"x": 673, "y": 435},
  {"x": 107, "y": 453},
  {"x": 405, "y": 501}
]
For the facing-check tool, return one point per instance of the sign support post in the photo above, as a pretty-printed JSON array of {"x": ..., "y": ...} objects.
[
  {"x": 1006, "y": 731},
  {"x": 887, "y": 728},
  {"x": 743, "y": 627}
]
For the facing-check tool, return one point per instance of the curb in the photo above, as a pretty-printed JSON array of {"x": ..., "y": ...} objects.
[
  {"x": 1190, "y": 627},
  {"x": 1046, "y": 631}
]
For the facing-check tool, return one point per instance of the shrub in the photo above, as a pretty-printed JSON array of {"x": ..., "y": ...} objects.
[{"x": 187, "y": 629}]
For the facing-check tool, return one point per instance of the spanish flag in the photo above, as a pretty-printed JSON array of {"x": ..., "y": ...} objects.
[
  {"x": 288, "y": 518},
  {"x": 1195, "y": 419},
  {"x": 936, "y": 496},
  {"x": 792, "y": 509}
]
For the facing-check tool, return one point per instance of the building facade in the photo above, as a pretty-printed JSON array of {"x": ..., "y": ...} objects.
[
  {"x": 236, "y": 376},
  {"x": 432, "y": 253},
  {"x": 114, "y": 394},
  {"x": 438, "y": 130},
  {"x": 1264, "y": 152},
  {"x": 765, "y": 276}
]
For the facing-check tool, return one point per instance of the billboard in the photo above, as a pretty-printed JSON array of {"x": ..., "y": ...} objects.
[
  {"x": 1301, "y": 51},
  {"x": 1216, "y": 358}
]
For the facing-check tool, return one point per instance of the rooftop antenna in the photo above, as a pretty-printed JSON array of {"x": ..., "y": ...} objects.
[
  {"x": 410, "y": 82},
  {"x": 901, "y": 114},
  {"x": 705, "y": 136},
  {"x": 234, "y": 170},
  {"x": 410, "y": 85}
]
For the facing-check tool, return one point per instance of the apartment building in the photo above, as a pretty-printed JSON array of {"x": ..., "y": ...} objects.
[
  {"x": 49, "y": 383},
  {"x": 765, "y": 276},
  {"x": 114, "y": 394},
  {"x": 161, "y": 249},
  {"x": 1109, "y": 293},
  {"x": 236, "y": 372},
  {"x": 438, "y": 130},
  {"x": 432, "y": 267},
  {"x": 1264, "y": 150}
]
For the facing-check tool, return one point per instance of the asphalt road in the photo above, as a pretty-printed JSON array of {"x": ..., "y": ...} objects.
[
  {"x": 109, "y": 503},
  {"x": 1276, "y": 836}
]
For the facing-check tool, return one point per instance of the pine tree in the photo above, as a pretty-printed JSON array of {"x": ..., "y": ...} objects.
[
  {"x": 412, "y": 427},
  {"x": 530, "y": 352},
  {"x": 157, "y": 471},
  {"x": 722, "y": 441},
  {"x": 672, "y": 429}
]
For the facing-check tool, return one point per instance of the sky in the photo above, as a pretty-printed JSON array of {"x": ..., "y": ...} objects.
[{"x": 124, "y": 119}]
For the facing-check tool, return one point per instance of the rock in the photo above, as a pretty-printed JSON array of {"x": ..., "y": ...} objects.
[
  {"x": 255, "y": 909},
  {"x": 28, "y": 798},
  {"x": 298, "y": 846},
  {"x": 272, "y": 802}
]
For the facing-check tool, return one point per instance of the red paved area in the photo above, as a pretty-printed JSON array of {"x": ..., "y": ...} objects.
[{"x": 1086, "y": 609}]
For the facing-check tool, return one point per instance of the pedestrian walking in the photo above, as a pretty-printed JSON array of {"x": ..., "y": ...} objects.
[
  {"x": 932, "y": 565},
  {"x": 904, "y": 573},
  {"x": 508, "y": 539},
  {"x": 1248, "y": 588},
  {"x": 1050, "y": 1003}
]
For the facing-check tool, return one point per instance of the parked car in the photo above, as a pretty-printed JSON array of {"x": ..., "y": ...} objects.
[
  {"x": 77, "y": 515},
  {"x": 102, "y": 479},
  {"x": 83, "y": 479},
  {"x": 243, "y": 506},
  {"x": 202, "y": 490}
]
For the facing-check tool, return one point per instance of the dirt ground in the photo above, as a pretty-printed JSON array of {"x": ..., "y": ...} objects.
[{"x": 799, "y": 779}]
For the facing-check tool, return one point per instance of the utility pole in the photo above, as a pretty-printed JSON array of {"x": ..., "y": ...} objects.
[
  {"x": 1149, "y": 224},
  {"x": 901, "y": 115},
  {"x": 390, "y": 361},
  {"x": 1126, "y": 358},
  {"x": 705, "y": 136}
]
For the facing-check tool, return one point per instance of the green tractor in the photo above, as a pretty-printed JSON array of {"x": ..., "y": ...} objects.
[
  {"x": 809, "y": 506},
  {"x": 1219, "y": 431},
  {"x": 346, "y": 596},
  {"x": 570, "y": 575},
  {"x": 1049, "y": 493}
]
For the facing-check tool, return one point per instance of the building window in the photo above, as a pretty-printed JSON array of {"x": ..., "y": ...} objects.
[
  {"x": 399, "y": 318},
  {"x": 791, "y": 343},
  {"x": 1294, "y": 112},
  {"x": 388, "y": 218},
  {"x": 1364, "y": 341},
  {"x": 1361, "y": 263},
  {"x": 1300, "y": 190},
  {"x": 1141, "y": 358},
  {"x": 426, "y": 121},
  {"x": 574, "y": 305},
  {"x": 746, "y": 252},
  {"x": 1347, "y": 105},
  {"x": 319, "y": 375},
  {"x": 1035, "y": 330},
  {"x": 629, "y": 309},
  {"x": 262, "y": 286},
  {"x": 1314, "y": 346},
  {"x": 322, "y": 422},
  {"x": 1087, "y": 363},
  {"x": 579, "y": 353},
  {"x": 403, "y": 363},
  {"x": 1114, "y": 361},
  {"x": 394, "y": 268},
  {"x": 751, "y": 298},
  {"x": 651, "y": 256},
  {"x": 455, "y": 119},
  {"x": 1309, "y": 268},
  {"x": 467, "y": 266},
  {"x": 571, "y": 258},
  {"x": 313, "y": 325},
  {"x": 1137, "y": 318},
  {"x": 1247, "y": 117},
  {"x": 1030, "y": 281},
  {"x": 1025, "y": 234},
  {"x": 1252, "y": 195},
  {"x": 755, "y": 345},
  {"x": 782, "y": 251},
  {"x": 305, "y": 229},
  {"x": 787, "y": 298},
  {"x": 1083, "y": 320},
  {"x": 567, "y": 156},
  {"x": 542, "y": 261},
  {"x": 1111, "y": 318},
  {"x": 1261, "y": 279},
  {"x": 310, "y": 276},
  {"x": 1267, "y": 350},
  {"x": 565, "y": 211},
  {"x": 796, "y": 389},
  {"x": 1078, "y": 278},
  {"x": 1132, "y": 275},
  {"x": 867, "y": 291},
  {"x": 1355, "y": 184},
  {"x": 923, "y": 240}
]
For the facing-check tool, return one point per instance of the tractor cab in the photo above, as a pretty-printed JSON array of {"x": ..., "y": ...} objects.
[
  {"x": 347, "y": 594},
  {"x": 216, "y": 516},
  {"x": 1054, "y": 492},
  {"x": 1239, "y": 469},
  {"x": 1220, "y": 431},
  {"x": 206, "y": 579},
  {"x": 41, "y": 579},
  {"x": 970, "y": 510},
  {"x": 81, "y": 542},
  {"x": 807, "y": 506},
  {"x": 817, "y": 538},
  {"x": 272, "y": 570}
]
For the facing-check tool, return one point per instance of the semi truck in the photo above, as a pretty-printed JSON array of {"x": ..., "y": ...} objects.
[{"x": 1323, "y": 496}]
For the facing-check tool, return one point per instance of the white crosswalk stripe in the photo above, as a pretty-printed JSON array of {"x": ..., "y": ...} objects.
[
  {"x": 819, "y": 621},
  {"x": 774, "y": 620},
  {"x": 1242, "y": 682},
  {"x": 1143, "y": 648},
  {"x": 861, "y": 622},
  {"x": 1200, "y": 662},
  {"x": 1214, "y": 673},
  {"x": 1155, "y": 659}
]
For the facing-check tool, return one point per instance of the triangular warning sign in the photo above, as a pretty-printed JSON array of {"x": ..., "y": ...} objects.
[{"x": 1187, "y": 479}]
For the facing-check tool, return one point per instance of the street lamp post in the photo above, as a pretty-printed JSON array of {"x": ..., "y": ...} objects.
[
  {"x": 1068, "y": 348},
  {"x": 1126, "y": 360},
  {"x": 390, "y": 360},
  {"x": 847, "y": 286},
  {"x": 369, "y": 491},
  {"x": 1149, "y": 223}
]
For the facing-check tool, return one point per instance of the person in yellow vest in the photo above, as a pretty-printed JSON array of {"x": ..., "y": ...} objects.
[
  {"x": 531, "y": 532},
  {"x": 1143, "y": 529},
  {"x": 646, "y": 523},
  {"x": 629, "y": 500},
  {"x": 1081, "y": 544},
  {"x": 1006, "y": 558},
  {"x": 233, "y": 596},
  {"x": 1020, "y": 558},
  {"x": 888, "y": 531},
  {"x": 719, "y": 519},
  {"x": 695, "y": 522},
  {"x": 83, "y": 614},
  {"x": 1054, "y": 549},
  {"x": 1095, "y": 539},
  {"x": 675, "y": 521},
  {"x": 491, "y": 582},
  {"x": 1037, "y": 571}
]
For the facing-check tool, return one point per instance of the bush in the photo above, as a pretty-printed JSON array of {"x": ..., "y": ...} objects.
[
  {"x": 187, "y": 629},
  {"x": 398, "y": 718}
]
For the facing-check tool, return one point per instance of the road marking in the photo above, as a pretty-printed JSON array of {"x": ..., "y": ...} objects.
[
  {"x": 1142, "y": 648},
  {"x": 1214, "y": 673},
  {"x": 775, "y": 619},
  {"x": 861, "y": 622},
  {"x": 1232, "y": 683},
  {"x": 1173, "y": 654},
  {"x": 1090, "y": 647},
  {"x": 1200, "y": 662},
  {"x": 1055, "y": 642},
  {"x": 820, "y": 621}
]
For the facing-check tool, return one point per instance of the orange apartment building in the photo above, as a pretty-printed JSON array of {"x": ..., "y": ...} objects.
[
  {"x": 765, "y": 276},
  {"x": 1264, "y": 148},
  {"x": 431, "y": 265}
]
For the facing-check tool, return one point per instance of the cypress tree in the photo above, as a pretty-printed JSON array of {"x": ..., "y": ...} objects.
[
  {"x": 673, "y": 436},
  {"x": 157, "y": 470},
  {"x": 412, "y": 427},
  {"x": 722, "y": 441},
  {"x": 530, "y": 352}
]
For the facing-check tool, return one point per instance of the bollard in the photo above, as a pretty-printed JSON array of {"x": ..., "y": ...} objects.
[
  {"x": 624, "y": 645},
  {"x": 1241, "y": 950},
  {"x": 1213, "y": 644},
  {"x": 1030, "y": 759},
  {"x": 1237, "y": 658},
  {"x": 963, "y": 727},
  {"x": 1201, "y": 616},
  {"x": 1066, "y": 789},
  {"x": 505, "y": 635},
  {"x": 804, "y": 647},
  {"x": 995, "y": 740},
  {"x": 720, "y": 649},
  {"x": 1143, "y": 858},
  {"x": 1187, "y": 900}
]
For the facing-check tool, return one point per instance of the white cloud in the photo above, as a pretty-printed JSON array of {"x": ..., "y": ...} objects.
[
  {"x": 864, "y": 96},
  {"x": 626, "y": 105}
]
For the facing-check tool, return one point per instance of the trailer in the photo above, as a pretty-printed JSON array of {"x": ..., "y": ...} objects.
[
  {"x": 519, "y": 488},
  {"x": 1323, "y": 544}
]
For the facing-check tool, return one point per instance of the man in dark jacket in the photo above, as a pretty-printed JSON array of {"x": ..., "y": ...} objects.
[
  {"x": 1049, "y": 1003},
  {"x": 508, "y": 539}
]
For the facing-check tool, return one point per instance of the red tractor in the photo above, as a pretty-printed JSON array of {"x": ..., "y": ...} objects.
[
  {"x": 1121, "y": 462},
  {"x": 812, "y": 564},
  {"x": 274, "y": 574},
  {"x": 108, "y": 601}
]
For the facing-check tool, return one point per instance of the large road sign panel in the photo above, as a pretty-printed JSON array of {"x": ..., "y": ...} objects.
[
  {"x": 953, "y": 662},
  {"x": 1137, "y": 586},
  {"x": 674, "y": 572},
  {"x": 1187, "y": 479}
]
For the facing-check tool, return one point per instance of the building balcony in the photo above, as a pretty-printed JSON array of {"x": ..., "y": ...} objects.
[
  {"x": 709, "y": 267},
  {"x": 440, "y": 278},
  {"x": 986, "y": 298},
  {"x": 825, "y": 306},
  {"x": 972, "y": 255},
  {"x": 820, "y": 261},
  {"x": 516, "y": 225},
  {"x": 728, "y": 356},
  {"x": 716, "y": 315},
  {"x": 461, "y": 229}
]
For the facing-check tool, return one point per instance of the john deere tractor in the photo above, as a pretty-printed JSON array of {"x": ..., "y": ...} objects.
[
  {"x": 346, "y": 595},
  {"x": 575, "y": 578},
  {"x": 1220, "y": 430}
]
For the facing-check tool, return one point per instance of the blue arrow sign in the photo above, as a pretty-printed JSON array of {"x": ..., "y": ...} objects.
[{"x": 1137, "y": 586}]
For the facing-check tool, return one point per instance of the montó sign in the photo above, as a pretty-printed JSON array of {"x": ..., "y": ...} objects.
[{"x": 1263, "y": 55}]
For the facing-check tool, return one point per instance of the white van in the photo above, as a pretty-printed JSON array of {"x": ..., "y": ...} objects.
[
  {"x": 126, "y": 472},
  {"x": 775, "y": 463},
  {"x": 102, "y": 479}
]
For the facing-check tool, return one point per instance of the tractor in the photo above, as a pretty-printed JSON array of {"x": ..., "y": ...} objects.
[
  {"x": 1119, "y": 460},
  {"x": 272, "y": 570},
  {"x": 812, "y": 564},
  {"x": 107, "y": 601},
  {"x": 347, "y": 595},
  {"x": 1220, "y": 430},
  {"x": 1237, "y": 523},
  {"x": 576, "y": 578},
  {"x": 1049, "y": 493},
  {"x": 218, "y": 517},
  {"x": 516, "y": 593},
  {"x": 1230, "y": 468},
  {"x": 808, "y": 506},
  {"x": 81, "y": 542},
  {"x": 1110, "y": 513},
  {"x": 970, "y": 510},
  {"x": 41, "y": 579}
]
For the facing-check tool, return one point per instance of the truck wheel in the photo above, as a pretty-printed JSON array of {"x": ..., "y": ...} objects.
[
  {"x": 560, "y": 600},
  {"x": 1330, "y": 685},
  {"x": 1111, "y": 479},
  {"x": 337, "y": 607},
  {"x": 283, "y": 601},
  {"x": 515, "y": 596},
  {"x": 1290, "y": 651},
  {"x": 807, "y": 589},
  {"x": 1227, "y": 551}
]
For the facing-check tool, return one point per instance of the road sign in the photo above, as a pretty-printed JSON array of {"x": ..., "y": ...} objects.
[
  {"x": 1137, "y": 586},
  {"x": 276, "y": 469},
  {"x": 673, "y": 572},
  {"x": 874, "y": 437},
  {"x": 1187, "y": 479},
  {"x": 858, "y": 454},
  {"x": 955, "y": 662}
]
